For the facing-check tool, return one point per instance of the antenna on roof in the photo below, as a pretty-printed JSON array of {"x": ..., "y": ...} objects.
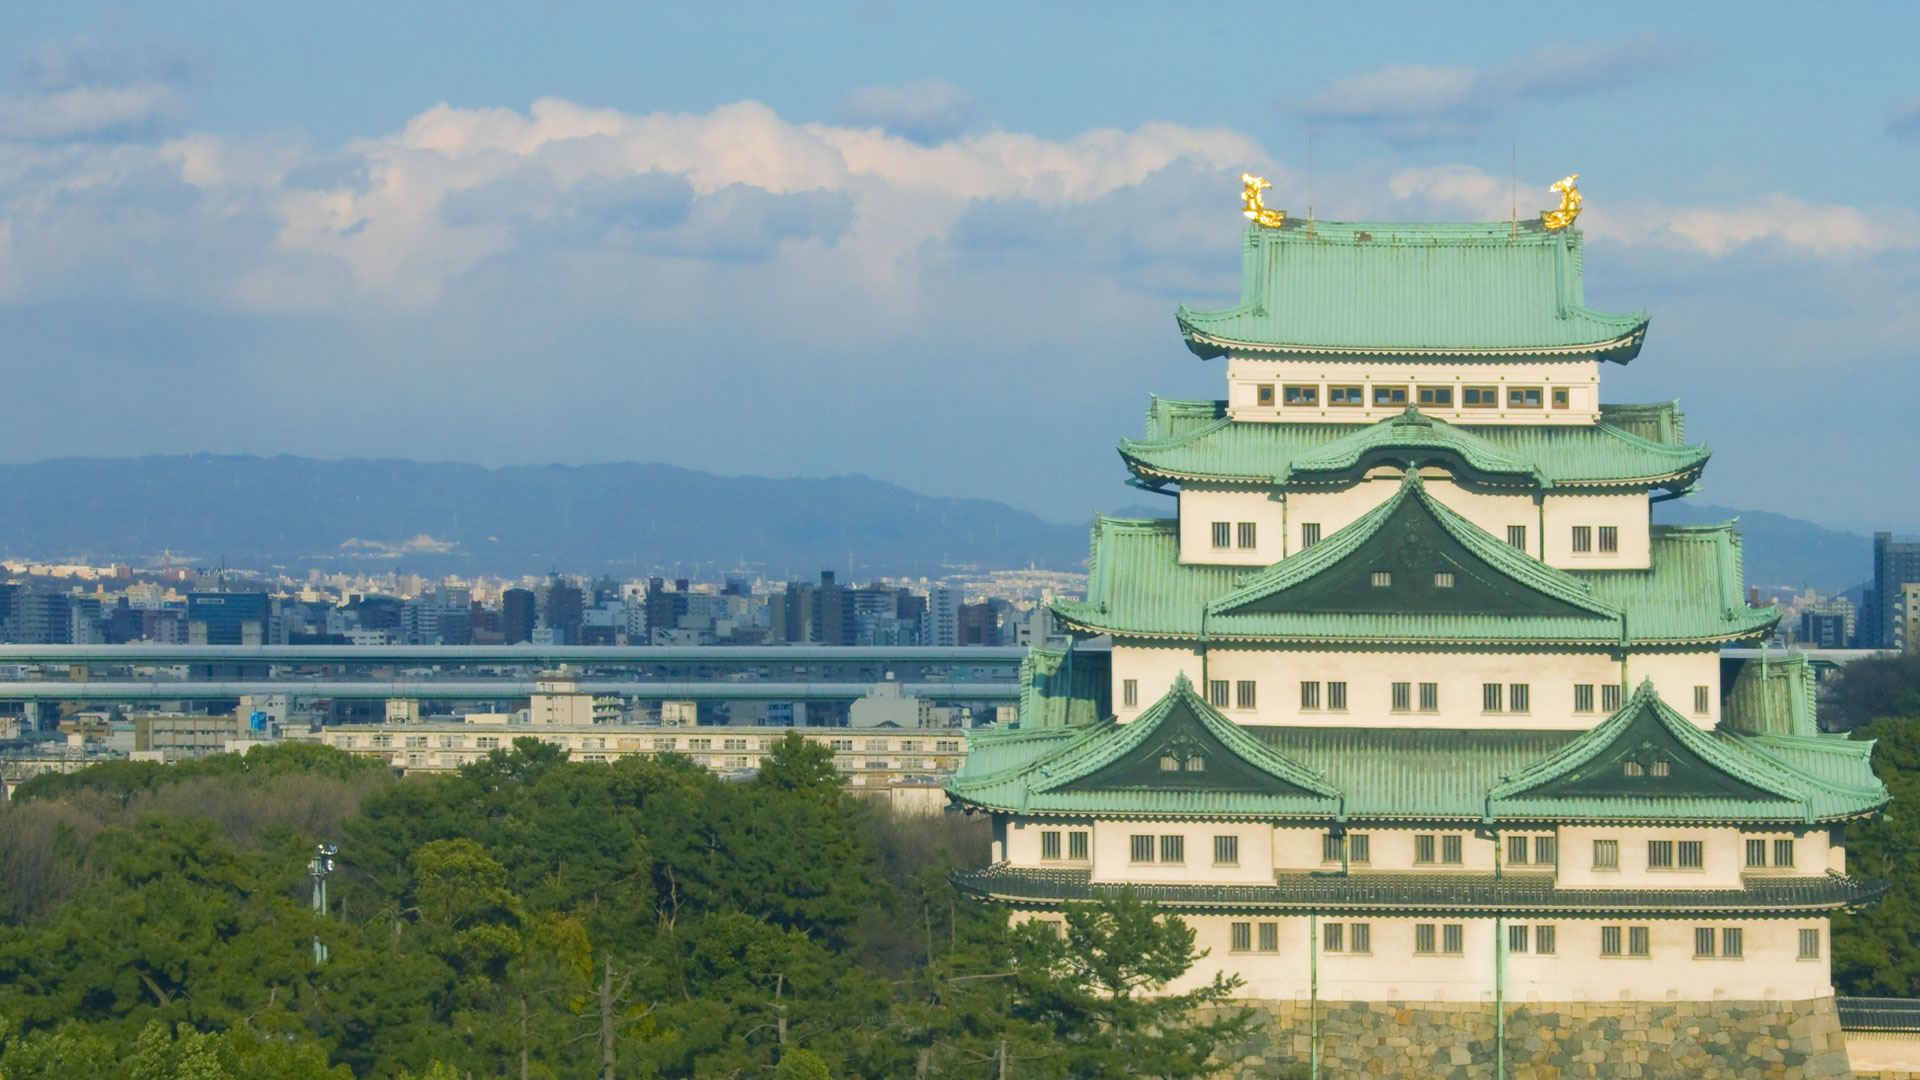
[{"x": 1513, "y": 187}]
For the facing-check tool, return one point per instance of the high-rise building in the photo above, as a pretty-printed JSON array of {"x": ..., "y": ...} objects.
[
  {"x": 564, "y": 609},
  {"x": 227, "y": 618},
  {"x": 942, "y": 623},
  {"x": 1895, "y": 563},
  {"x": 517, "y": 616},
  {"x": 1410, "y": 713}
]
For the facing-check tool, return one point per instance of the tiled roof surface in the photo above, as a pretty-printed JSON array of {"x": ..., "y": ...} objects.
[
  {"x": 1180, "y": 447},
  {"x": 1395, "y": 893},
  {"x": 1397, "y": 289},
  {"x": 1137, "y": 586}
]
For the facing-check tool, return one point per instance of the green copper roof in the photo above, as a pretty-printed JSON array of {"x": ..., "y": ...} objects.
[
  {"x": 1410, "y": 775},
  {"x": 1692, "y": 593},
  {"x": 1380, "y": 289},
  {"x": 1058, "y": 691},
  {"x": 1180, "y": 448},
  {"x": 1413, "y": 894},
  {"x": 1236, "y": 774},
  {"x": 1653, "y": 762},
  {"x": 1660, "y": 421},
  {"x": 1772, "y": 695}
]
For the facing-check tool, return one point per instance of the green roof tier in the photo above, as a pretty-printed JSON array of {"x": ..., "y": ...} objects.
[
  {"x": 1587, "y": 457},
  {"x": 1413, "y": 775},
  {"x": 1485, "y": 291},
  {"x": 1518, "y": 894},
  {"x": 1692, "y": 594}
]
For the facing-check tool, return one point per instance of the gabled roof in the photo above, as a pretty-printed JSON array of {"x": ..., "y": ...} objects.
[
  {"x": 1488, "y": 291},
  {"x": 1236, "y": 773},
  {"x": 1188, "y": 447},
  {"x": 1409, "y": 538},
  {"x": 1138, "y": 587},
  {"x": 1648, "y": 757}
]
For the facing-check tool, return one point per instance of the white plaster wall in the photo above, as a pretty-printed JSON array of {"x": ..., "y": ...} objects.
[
  {"x": 1575, "y": 972},
  {"x": 1629, "y": 513},
  {"x": 1113, "y": 852},
  {"x": 1245, "y": 372},
  {"x": 1370, "y": 676},
  {"x": 1724, "y": 852},
  {"x": 1200, "y": 508},
  {"x": 1675, "y": 675},
  {"x": 1335, "y": 510},
  {"x": 1155, "y": 670}
]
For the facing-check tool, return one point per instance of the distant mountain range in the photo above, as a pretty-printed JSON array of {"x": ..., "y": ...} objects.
[{"x": 626, "y": 519}]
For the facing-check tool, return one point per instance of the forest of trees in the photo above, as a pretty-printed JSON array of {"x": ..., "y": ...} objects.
[{"x": 534, "y": 917}]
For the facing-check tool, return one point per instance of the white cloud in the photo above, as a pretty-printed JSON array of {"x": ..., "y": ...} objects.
[
  {"x": 1417, "y": 102},
  {"x": 928, "y": 111},
  {"x": 82, "y": 111}
]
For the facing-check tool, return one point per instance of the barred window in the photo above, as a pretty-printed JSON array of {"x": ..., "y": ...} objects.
[
  {"x": 1450, "y": 850},
  {"x": 1452, "y": 938},
  {"x": 1639, "y": 941},
  {"x": 1402, "y": 696},
  {"x": 1583, "y": 538},
  {"x": 1077, "y": 845},
  {"x": 1517, "y": 938},
  {"x": 1332, "y": 846},
  {"x": 1050, "y": 844},
  {"x": 1269, "y": 937},
  {"x": 1660, "y": 854},
  {"x": 1517, "y": 850},
  {"x": 1423, "y": 848},
  {"x": 1246, "y": 534},
  {"x": 1609, "y": 538},
  {"x": 1490, "y": 696},
  {"x": 1358, "y": 850},
  {"x": 1443, "y": 579},
  {"x": 1733, "y": 942},
  {"x": 1546, "y": 850},
  {"x": 1543, "y": 940},
  {"x": 1361, "y": 939},
  {"x": 1333, "y": 937},
  {"x": 1130, "y": 692},
  {"x": 1519, "y": 697},
  {"x": 1693, "y": 854},
  {"x": 1783, "y": 853},
  {"x": 1243, "y": 697},
  {"x": 1423, "y": 938},
  {"x": 1809, "y": 944},
  {"x": 1517, "y": 536},
  {"x": 1217, "y": 692},
  {"x": 1583, "y": 697},
  {"x": 1222, "y": 534},
  {"x": 1309, "y": 695},
  {"x": 1701, "y": 699},
  {"x": 1173, "y": 849},
  {"x": 1756, "y": 853},
  {"x": 1703, "y": 938},
  {"x": 1309, "y": 534},
  {"x": 1242, "y": 937},
  {"x": 1610, "y": 698},
  {"x": 1226, "y": 851},
  {"x": 1429, "y": 697},
  {"x": 1337, "y": 696},
  {"x": 1609, "y": 941},
  {"x": 1606, "y": 854},
  {"x": 1382, "y": 578},
  {"x": 1142, "y": 848}
]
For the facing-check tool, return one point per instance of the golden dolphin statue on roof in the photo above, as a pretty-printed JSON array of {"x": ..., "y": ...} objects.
[
  {"x": 1252, "y": 205},
  {"x": 1570, "y": 201}
]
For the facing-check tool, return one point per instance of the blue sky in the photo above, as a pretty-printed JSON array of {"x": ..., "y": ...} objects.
[{"x": 937, "y": 245}]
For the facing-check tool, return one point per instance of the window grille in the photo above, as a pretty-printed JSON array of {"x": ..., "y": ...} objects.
[
  {"x": 1490, "y": 696},
  {"x": 1269, "y": 937},
  {"x": 1361, "y": 938},
  {"x": 1309, "y": 535},
  {"x": 1517, "y": 536},
  {"x": 1452, "y": 938},
  {"x": 1050, "y": 844},
  {"x": 1609, "y": 539},
  {"x": 1358, "y": 848},
  {"x": 1606, "y": 854},
  {"x": 1583, "y": 538},
  {"x": 1331, "y": 845},
  {"x": 1450, "y": 850},
  {"x": 1242, "y": 937},
  {"x": 1423, "y": 938},
  {"x": 1519, "y": 697},
  {"x": 1783, "y": 853},
  {"x": 1609, "y": 941},
  {"x": 1517, "y": 938},
  {"x": 1337, "y": 695},
  {"x": 1443, "y": 579},
  {"x": 1639, "y": 941},
  {"x": 1756, "y": 853},
  {"x": 1173, "y": 849},
  {"x": 1809, "y": 944},
  {"x": 1309, "y": 695},
  {"x": 1333, "y": 937},
  {"x": 1733, "y": 942},
  {"x": 1701, "y": 699},
  {"x": 1423, "y": 848},
  {"x": 1546, "y": 850},
  {"x": 1429, "y": 697},
  {"x": 1583, "y": 697},
  {"x": 1226, "y": 851},
  {"x": 1142, "y": 848},
  {"x": 1402, "y": 696},
  {"x": 1217, "y": 691},
  {"x": 1243, "y": 695},
  {"x": 1610, "y": 698},
  {"x": 1247, "y": 533},
  {"x": 1693, "y": 855},
  {"x": 1222, "y": 534},
  {"x": 1517, "y": 850},
  {"x": 1382, "y": 579},
  {"x": 1703, "y": 938},
  {"x": 1077, "y": 845},
  {"x": 1130, "y": 692},
  {"x": 1543, "y": 940},
  {"x": 1660, "y": 854}
]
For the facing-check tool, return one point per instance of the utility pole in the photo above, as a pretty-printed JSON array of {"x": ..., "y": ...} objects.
[{"x": 319, "y": 867}]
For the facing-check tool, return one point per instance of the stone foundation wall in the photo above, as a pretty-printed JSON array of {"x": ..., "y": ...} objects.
[{"x": 1699, "y": 1040}]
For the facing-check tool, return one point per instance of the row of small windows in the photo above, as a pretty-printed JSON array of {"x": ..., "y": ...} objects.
[
  {"x": 1609, "y": 538},
  {"x": 1538, "y": 939},
  {"x": 1494, "y": 698},
  {"x": 1471, "y": 397},
  {"x": 1244, "y": 534},
  {"x": 1077, "y": 841},
  {"x": 1147, "y": 848},
  {"x": 1432, "y": 849}
]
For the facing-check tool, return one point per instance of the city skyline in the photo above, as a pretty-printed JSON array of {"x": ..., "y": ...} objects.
[{"x": 923, "y": 259}]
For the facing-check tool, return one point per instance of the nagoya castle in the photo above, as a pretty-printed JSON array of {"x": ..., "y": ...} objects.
[{"x": 1413, "y": 714}]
